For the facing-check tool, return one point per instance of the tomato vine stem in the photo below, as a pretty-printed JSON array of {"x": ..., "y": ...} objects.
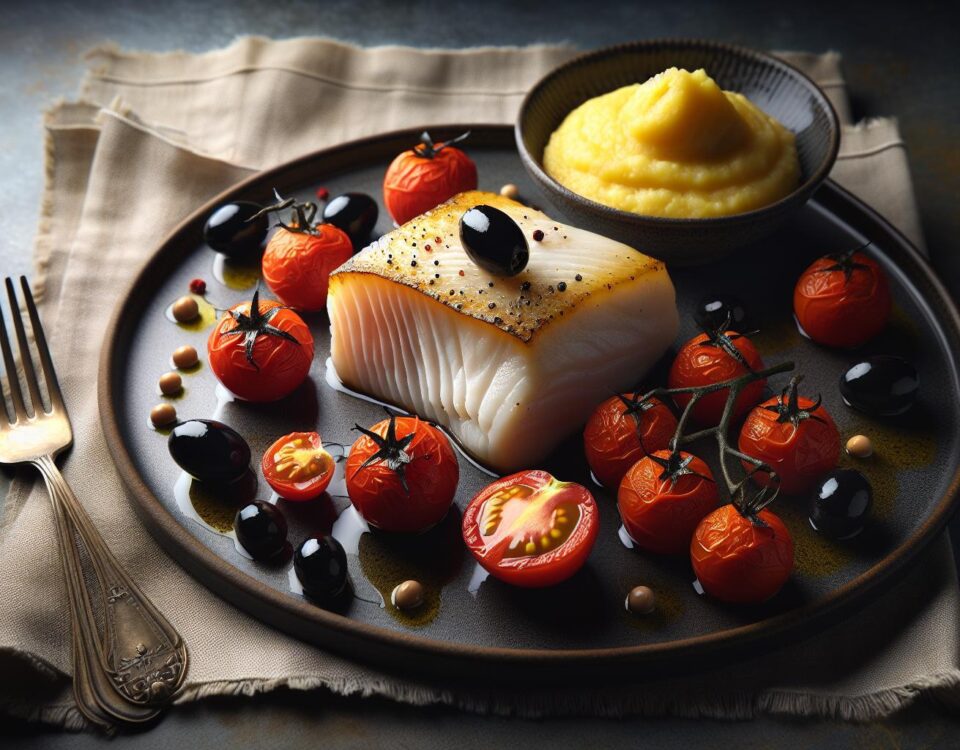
[{"x": 748, "y": 501}]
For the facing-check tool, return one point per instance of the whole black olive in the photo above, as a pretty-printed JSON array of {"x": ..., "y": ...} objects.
[
  {"x": 716, "y": 310},
  {"x": 261, "y": 530},
  {"x": 321, "y": 567},
  {"x": 494, "y": 241},
  {"x": 840, "y": 503},
  {"x": 227, "y": 230},
  {"x": 354, "y": 213},
  {"x": 209, "y": 450},
  {"x": 881, "y": 386}
]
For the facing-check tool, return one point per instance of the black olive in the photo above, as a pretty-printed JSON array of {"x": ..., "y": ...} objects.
[
  {"x": 209, "y": 450},
  {"x": 881, "y": 386},
  {"x": 227, "y": 230},
  {"x": 261, "y": 530},
  {"x": 354, "y": 213},
  {"x": 321, "y": 566},
  {"x": 840, "y": 503},
  {"x": 494, "y": 241},
  {"x": 714, "y": 309}
]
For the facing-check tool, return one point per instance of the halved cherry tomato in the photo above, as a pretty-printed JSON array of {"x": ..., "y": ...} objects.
[
  {"x": 842, "y": 300},
  {"x": 621, "y": 431},
  {"x": 741, "y": 560},
  {"x": 795, "y": 436},
  {"x": 662, "y": 499},
  {"x": 529, "y": 529},
  {"x": 425, "y": 176},
  {"x": 297, "y": 467},
  {"x": 260, "y": 351},
  {"x": 297, "y": 265},
  {"x": 709, "y": 358},
  {"x": 402, "y": 474}
]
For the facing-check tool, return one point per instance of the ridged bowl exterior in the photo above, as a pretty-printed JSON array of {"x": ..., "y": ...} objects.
[{"x": 777, "y": 88}]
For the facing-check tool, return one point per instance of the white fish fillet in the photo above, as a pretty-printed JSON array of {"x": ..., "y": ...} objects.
[{"x": 512, "y": 380}]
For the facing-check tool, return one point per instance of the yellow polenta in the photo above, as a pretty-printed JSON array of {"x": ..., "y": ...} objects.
[{"x": 675, "y": 146}]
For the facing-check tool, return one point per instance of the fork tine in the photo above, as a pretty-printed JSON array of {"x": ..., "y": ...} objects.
[
  {"x": 30, "y": 375},
  {"x": 13, "y": 381},
  {"x": 49, "y": 374}
]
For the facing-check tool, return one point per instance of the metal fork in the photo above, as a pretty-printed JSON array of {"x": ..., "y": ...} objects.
[{"x": 127, "y": 673}]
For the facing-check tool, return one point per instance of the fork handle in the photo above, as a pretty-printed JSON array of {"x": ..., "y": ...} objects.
[{"x": 140, "y": 652}]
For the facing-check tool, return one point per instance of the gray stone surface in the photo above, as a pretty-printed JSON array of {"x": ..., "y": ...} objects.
[{"x": 899, "y": 59}]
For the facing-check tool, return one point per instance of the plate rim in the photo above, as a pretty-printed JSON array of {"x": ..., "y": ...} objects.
[{"x": 395, "y": 649}]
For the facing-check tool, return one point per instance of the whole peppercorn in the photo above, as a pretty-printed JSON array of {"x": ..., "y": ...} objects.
[
  {"x": 538, "y": 234},
  {"x": 198, "y": 286}
]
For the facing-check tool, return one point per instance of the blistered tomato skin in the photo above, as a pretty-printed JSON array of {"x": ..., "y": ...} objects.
[
  {"x": 842, "y": 308},
  {"x": 297, "y": 265},
  {"x": 415, "y": 184},
  {"x": 415, "y": 495},
  {"x": 700, "y": 362},
  {"x": 531, "y": 530},
  {"x": 279, "y": 365},
  {"x": 660, "y": 512},
  {"x": 739, "y": 561},
  {"x": 799, "y": 454},
  {"x": 618, "y": 432}
]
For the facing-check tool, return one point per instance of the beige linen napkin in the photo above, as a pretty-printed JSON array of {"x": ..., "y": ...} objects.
[{"x": 155, "y": 136}]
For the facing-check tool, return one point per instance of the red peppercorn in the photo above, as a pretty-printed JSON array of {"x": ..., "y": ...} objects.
[
  {"x": 461, "y": 272},
  {"x": 428, "y": 248},
  {"x": 538, "y": 234},
  {"x": 322, "y": 193},
  {"x": 198, "y": 286}
]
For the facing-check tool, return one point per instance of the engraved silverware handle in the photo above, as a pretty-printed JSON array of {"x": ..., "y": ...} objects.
[{"x": 140, "y": 661}]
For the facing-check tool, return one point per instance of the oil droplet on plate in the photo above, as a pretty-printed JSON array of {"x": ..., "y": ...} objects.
[
  {"x": 235, "y": 274},
  {"x": 206, "y": 315}
]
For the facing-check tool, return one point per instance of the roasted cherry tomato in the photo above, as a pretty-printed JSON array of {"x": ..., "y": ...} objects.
[
  {"x": 710, "y": 358},
  {"x": 297, "y": 467},
  {"x": 260, "y": 351},
  {"x": 795, "y": 436},
  {"x": 528, "y": 529},
  {"x": 662, "y": 499},
  {"x": 621, "y": 431},
  {"x": 741, "y": 560},
  {"x": 402, "y": 474},
  {"x": 297, "y": 264},
  {"x": 842, "y": 300},
  {"x": 425, "y": 176}
]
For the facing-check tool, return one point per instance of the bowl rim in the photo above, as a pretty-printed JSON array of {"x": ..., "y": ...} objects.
[{"x": 802, "y": 191}]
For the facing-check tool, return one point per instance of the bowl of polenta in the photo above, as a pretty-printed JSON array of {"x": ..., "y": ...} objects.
[{"x": 684, "y": 149}]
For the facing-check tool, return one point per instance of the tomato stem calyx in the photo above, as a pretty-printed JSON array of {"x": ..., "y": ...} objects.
[
  {"x": 257, "y": 323},
  {"x": 301, "y": 218},
  {"x": 426, "y": 149},
  {"x": 843, "y": 261},
  {"x": 719, "y": 338},
  {"x": 391, "y": 451},
  {"x": 788, "y": 408},
  {"x": 675, "y": 467}
]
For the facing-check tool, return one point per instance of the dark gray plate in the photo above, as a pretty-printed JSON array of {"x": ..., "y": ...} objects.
[{"x": 579, "y": 628}]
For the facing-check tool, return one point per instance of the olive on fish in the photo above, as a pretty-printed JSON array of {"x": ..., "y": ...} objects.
[
  {"x": 209, "y": 451},
  {"x": 494, "y": 241}
]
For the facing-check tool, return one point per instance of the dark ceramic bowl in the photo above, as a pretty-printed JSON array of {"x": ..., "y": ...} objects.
[{"x": 777, "y": 88}]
